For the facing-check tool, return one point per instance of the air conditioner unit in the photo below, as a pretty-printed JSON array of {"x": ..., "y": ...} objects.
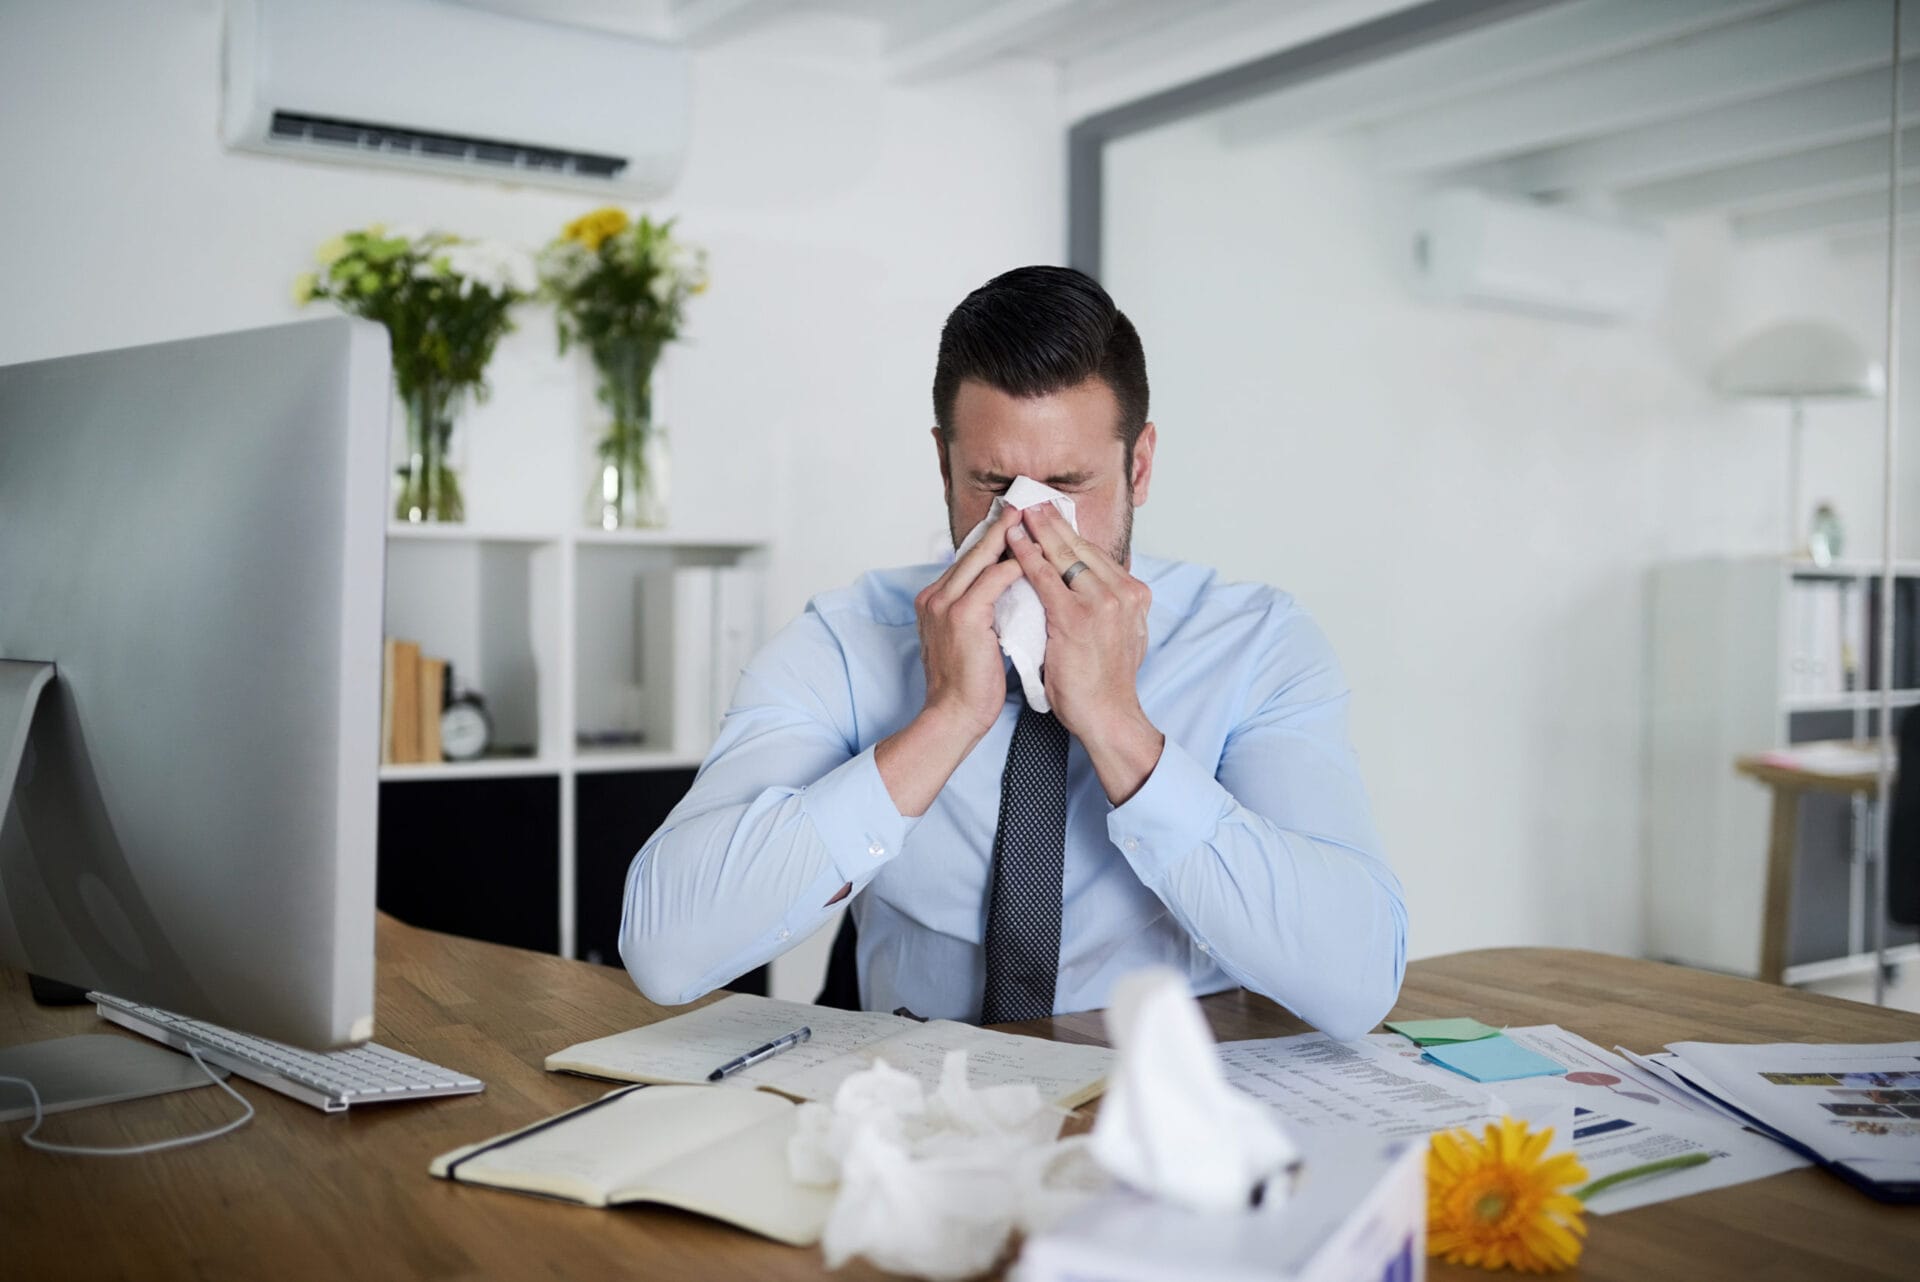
[
  {"x": 1496, "y": 251},
  {"x": 426, "y": 85}
]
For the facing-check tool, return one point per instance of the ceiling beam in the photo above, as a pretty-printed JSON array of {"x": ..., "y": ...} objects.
[
  {"x": 698, "y": 23},
  {"x": 1861, "y": 211},
  {"x": 1837, "y": 169},
  {"x": 1209, "y": 40},
  {"x": 1736, "y": 63},
  {"x": 1873, "y": 240},
  {"x": 976, "y": 37},
  {"x": 1840, "y": 110},
  {"x": 1550, "y": 41}
]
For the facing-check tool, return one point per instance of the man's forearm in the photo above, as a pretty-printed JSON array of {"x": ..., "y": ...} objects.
[
  {"x": 1124, "y": 754},
  {"x": 916, "y": 761}
]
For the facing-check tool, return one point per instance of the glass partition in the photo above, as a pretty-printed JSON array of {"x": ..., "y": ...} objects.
[{"x": 1544, "y": 359}]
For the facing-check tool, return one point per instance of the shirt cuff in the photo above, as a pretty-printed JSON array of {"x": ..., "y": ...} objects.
[
  {"x": 1175, "y": 811},
  {"x": 855, "y": 818}
]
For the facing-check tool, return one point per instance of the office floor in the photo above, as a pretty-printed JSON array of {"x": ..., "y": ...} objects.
[{"x": 1903, "y": 991}]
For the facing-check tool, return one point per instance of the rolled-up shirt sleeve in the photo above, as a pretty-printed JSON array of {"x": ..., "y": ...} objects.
[
  {"x": 786, "y": 810},
  {"x": 1270, "y": 861}
]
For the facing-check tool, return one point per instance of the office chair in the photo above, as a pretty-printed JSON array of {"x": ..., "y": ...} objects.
[{"x": 842, "y": 989}]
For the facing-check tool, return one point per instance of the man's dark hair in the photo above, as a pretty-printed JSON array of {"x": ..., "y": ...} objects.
[{"x": 1035, "y": 331}]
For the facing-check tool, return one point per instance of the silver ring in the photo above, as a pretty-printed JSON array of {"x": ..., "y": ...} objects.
[{"x": 1072, "y": 572}]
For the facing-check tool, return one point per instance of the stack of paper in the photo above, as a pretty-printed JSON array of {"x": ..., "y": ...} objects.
[
  {"x": 1614, "y": 1116},
  {"x": 1855, "y": 1109}
]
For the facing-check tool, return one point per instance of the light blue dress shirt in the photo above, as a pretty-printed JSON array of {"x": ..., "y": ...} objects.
[{"x": 1247, "y": 858}]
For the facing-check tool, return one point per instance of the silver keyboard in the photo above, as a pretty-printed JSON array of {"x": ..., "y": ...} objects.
[{"x": 328, "y": 1080}]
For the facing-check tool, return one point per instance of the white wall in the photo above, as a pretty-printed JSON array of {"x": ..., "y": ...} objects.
[
  {"x": 845, "y": 217},
  {"x": 1467, "y": 500}
]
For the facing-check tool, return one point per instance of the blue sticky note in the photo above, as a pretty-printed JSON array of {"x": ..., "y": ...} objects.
[{"x": 1493, "y": 1059}]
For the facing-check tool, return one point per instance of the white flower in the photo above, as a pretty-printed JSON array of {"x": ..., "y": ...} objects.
[{"x": 492, "y": 266}]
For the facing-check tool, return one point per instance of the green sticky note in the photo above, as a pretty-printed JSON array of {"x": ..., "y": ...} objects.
[{"x": 1441, "y": 1032}]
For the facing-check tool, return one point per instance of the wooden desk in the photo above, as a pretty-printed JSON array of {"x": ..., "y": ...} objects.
[
  {"x": 1789, "y": 784},
  {"x": 300, "y": 1194}
]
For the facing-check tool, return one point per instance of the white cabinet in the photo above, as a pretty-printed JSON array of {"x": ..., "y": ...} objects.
[
  {"x": 1743, "y": 658},
  {"x": 552, "y": 629}
]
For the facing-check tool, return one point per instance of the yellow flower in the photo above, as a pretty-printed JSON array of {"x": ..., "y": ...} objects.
[
  {"x": 330, "y": 251},
  {"x": 594, "y": 228},
  {"x": 303, "y": 289},
  {"x": 1495, "y": 1204}
]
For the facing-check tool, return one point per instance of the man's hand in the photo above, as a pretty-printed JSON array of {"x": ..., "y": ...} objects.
[
  {"x": 966, "y": 680},
  {"x": 1096, "y": 641}
]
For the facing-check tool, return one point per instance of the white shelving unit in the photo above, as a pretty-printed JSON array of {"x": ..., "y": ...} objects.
[
  {"x": 1722, "y": 650},
  {"x": 539, "y": 623}
]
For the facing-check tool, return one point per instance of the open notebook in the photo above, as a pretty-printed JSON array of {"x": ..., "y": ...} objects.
[
  {"x": 687, "y": 1047},
  {"x": 718, "y": 1153}
]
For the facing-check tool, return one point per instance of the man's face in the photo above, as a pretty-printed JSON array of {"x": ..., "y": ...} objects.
[{"x": 1067, "y": 440}]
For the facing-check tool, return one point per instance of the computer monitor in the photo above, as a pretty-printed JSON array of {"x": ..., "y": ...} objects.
[{"x": 192, "y": 535}]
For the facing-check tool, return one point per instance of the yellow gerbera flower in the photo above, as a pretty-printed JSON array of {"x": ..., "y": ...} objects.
[
  {"x": 594, "y": 228},
  {"x": 303, "y": 285},
  {"x": 1495, "y": 1204}
]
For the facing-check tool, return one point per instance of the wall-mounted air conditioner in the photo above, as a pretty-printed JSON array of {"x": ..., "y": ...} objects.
[
  {"x": 428, "y": 85},
  {"x": 1472, "y": 247}
]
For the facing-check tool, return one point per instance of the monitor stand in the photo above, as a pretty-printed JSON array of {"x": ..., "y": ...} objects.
[
  {"x": 95, "y": 1068},
  {"x": 20, "y": 687}
]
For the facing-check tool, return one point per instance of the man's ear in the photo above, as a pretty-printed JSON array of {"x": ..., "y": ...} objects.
[
  {"x": 1142, "y": 476},
  {"x": 946, "y": 474}
]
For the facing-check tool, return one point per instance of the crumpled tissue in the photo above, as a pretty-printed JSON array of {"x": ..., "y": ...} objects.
[
  {"x": 1018, "y": 616},
  {"x": 1169, "y": 1124},
  {"x": 933, "y": 1185}
]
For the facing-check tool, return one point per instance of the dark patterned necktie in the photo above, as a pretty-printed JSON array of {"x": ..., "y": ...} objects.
[{"x": 1023, "y": 912}]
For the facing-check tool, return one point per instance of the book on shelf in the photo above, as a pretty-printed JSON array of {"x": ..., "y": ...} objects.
[
  {"x": 697, "y": 626},
  {"x": 406, "y": 701},
  {"x": 387, "y": 656},
  {"x": 704, "y": 1149},
  {"x": 433, "y": 702},
  {"x": 413, "y": 690},
  {"x": 1820, "y": 624}
]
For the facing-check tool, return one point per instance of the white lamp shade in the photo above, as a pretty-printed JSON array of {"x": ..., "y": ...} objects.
[{"x": 1799, "y": 359}]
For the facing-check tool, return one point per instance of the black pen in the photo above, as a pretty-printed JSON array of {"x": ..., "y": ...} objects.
[{"x": 759, "y": 1053}]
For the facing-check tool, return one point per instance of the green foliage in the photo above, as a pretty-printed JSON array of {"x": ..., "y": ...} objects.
[
  {"x": 445, "y": 301},
  {"x": 620, "y": 289}
]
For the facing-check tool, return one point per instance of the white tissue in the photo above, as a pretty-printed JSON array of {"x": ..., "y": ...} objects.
[
  {"x": 1018, "y": 616},
  {"x": 933, "y": 1185},
  {"x": 1169, "y": 1124}
]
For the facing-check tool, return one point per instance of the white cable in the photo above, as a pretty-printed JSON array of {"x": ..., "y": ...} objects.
[{"x": 130, "y": 1150}]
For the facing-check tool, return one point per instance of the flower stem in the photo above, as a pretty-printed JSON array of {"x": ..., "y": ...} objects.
[{"x": 1604, "y": 1183}]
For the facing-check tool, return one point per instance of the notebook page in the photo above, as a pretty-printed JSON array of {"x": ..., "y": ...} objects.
[
  {"x": 621, "y": 1142},
  {"x": 743, "y": 1178},
  {"x": 687, "y": 1047},
  {"x": 1062, "y": 1071}
]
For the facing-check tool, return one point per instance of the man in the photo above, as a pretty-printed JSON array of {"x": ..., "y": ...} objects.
[{"x": 1191, "y": 800}]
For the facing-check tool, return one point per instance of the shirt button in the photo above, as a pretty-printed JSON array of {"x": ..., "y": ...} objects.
[
  {"x": 1203, "y": 946},
  {"x": 1131, "y": 844},
  {"x": 785, "y": 933},
  {"x": 876, "y": 850}
]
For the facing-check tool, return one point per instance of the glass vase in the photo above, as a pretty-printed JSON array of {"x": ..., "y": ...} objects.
[
  {"x": 630, "y": 479},
  {"x": 429, "y": 488},
  {"x": 630, "y": 460}
]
